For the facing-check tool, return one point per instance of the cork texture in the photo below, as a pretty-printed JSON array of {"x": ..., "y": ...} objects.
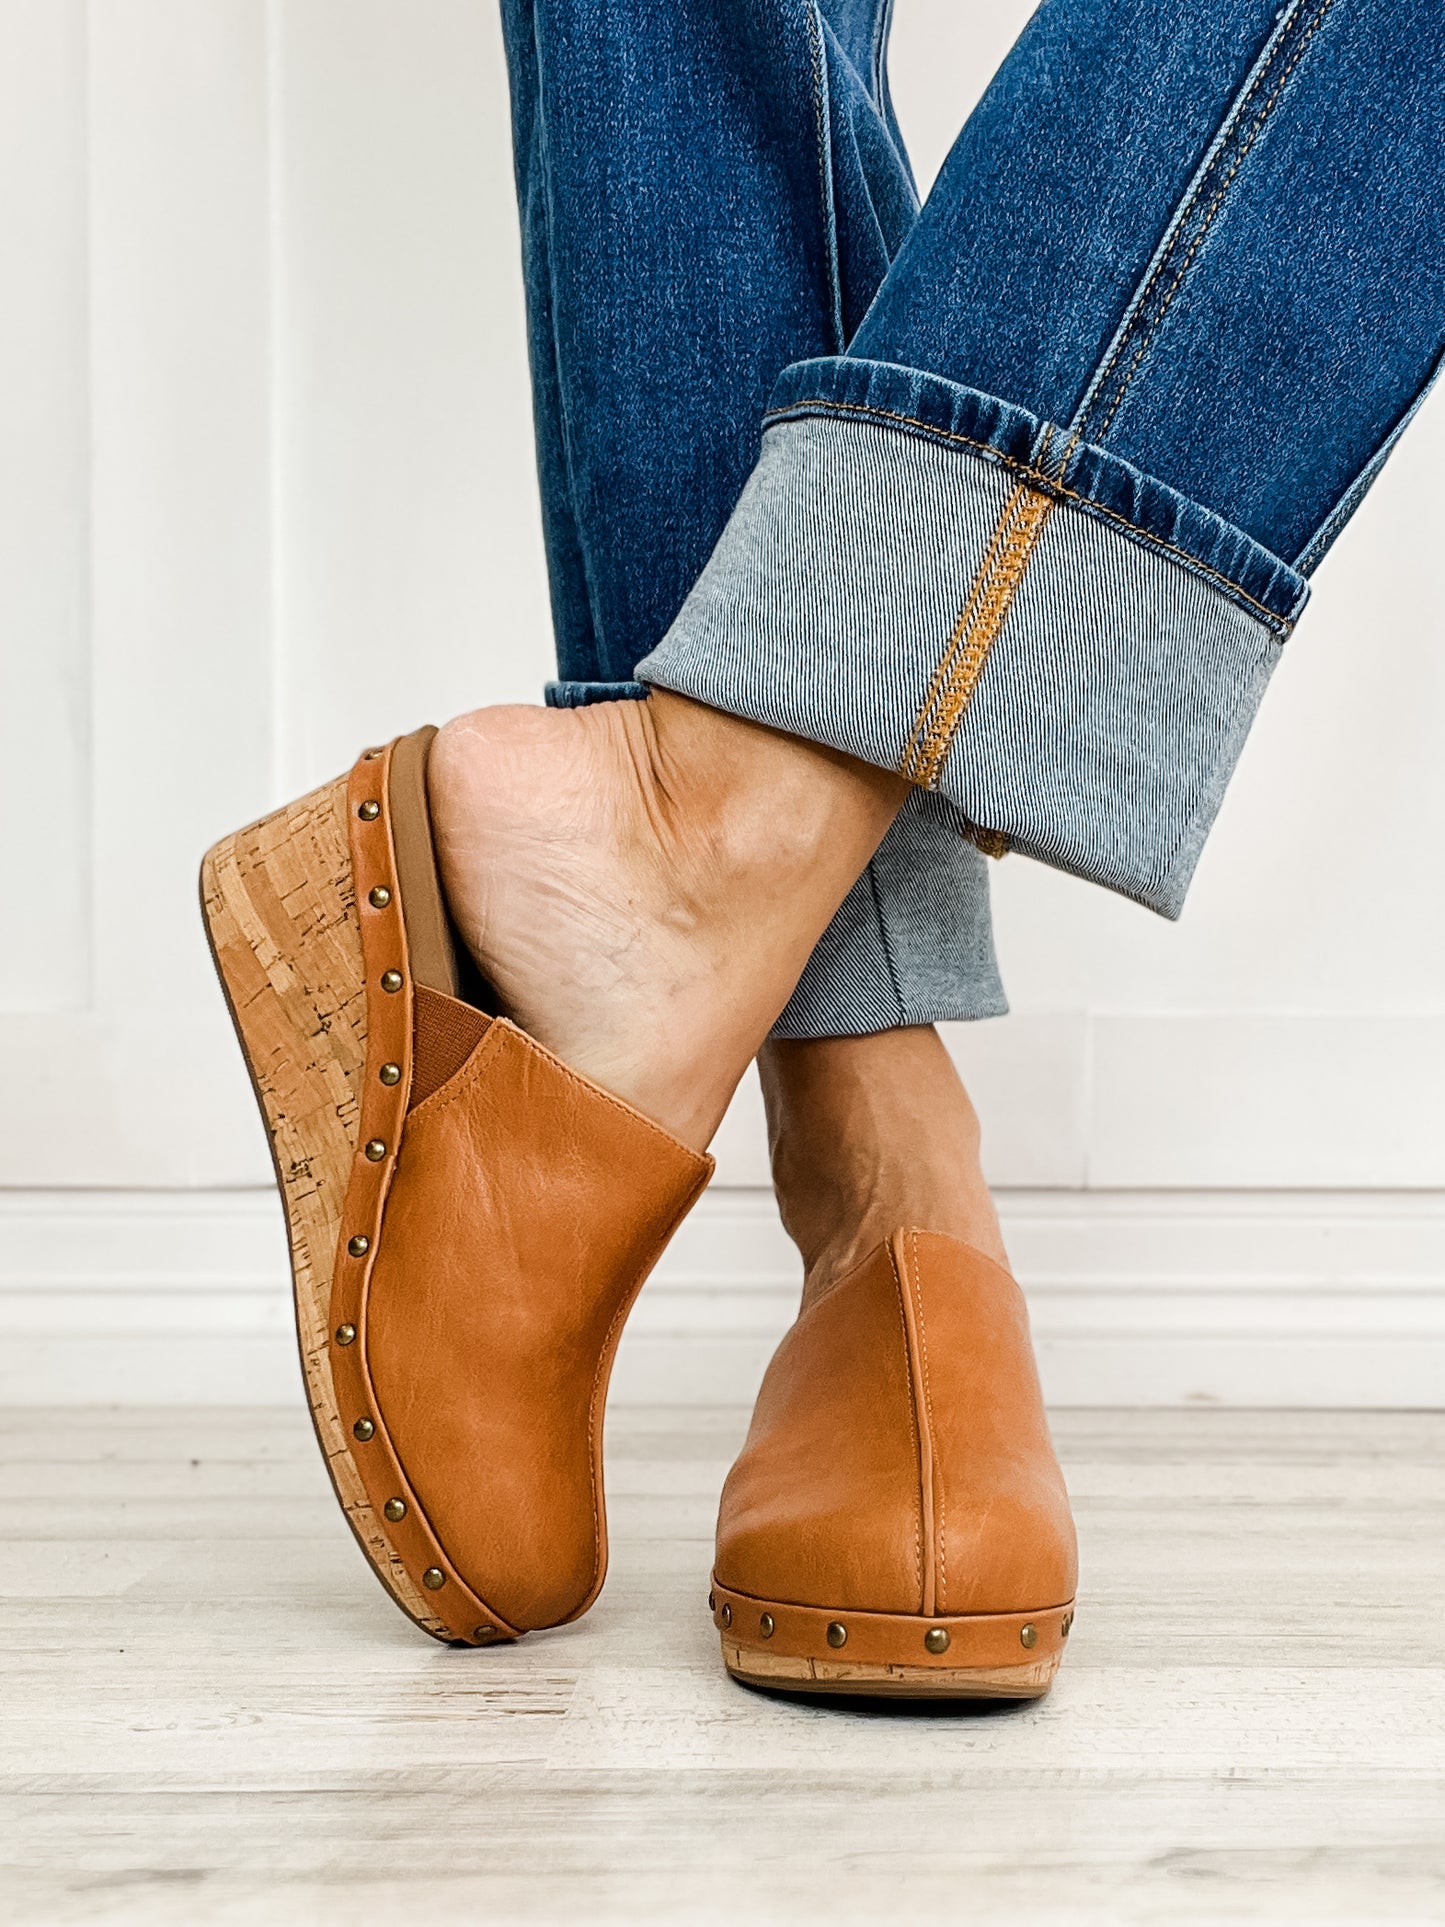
[
  {"x": 281, "y": 915},
  {"x": 794, "y": 1673}
]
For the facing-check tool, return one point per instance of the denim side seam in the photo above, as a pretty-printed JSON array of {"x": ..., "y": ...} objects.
[
  {"x": 1138, "y": 320},
  {"x": 882, "y": 27},
  {"x": 888, "y": 957},
  {"x": 911, "y": 944},
  {"x": 823, "y": 121}
]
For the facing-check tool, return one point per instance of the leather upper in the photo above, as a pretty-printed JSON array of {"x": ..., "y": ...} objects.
[
  {"x": 510, "y": 1210},
  {"x": 899, "y": 1459},
  {"x": 526, "y": 1210}
]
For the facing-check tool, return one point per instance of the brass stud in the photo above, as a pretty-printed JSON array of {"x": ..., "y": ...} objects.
[
  {"x": 485, "y": 1633},
  {"x": 379, "y": 898},
  {"x": 359, "y": 1245},
  {"x": 712, "y": 1602},
  {"x": 727, "y": 1615},
  {"x": 1028, "y": 1635},
  {"x": 370, "y": 755},
  {"x": 1067, "y": 1625},
  {"x": 391, "y": 980},
  {"x": 936, "y": 1639},
  {"x": 395, "y": 1509},
  {"x": 375, "y": 1150},
  {"x": 363, "y": 1430},
  {"x": 390, "y": 1073},
  {"x": 433, "y": 1579},
  {"x": 836, "y": 1635},
  {"x": 369, "y": 810},
  {"x": 765, "y": 1625},
  {"x": 346, "y": 1334}
]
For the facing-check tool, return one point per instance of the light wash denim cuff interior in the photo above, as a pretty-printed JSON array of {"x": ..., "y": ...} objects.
[
  {"x": 913, "y": 941},
  {"x": 939, "y": 583}
]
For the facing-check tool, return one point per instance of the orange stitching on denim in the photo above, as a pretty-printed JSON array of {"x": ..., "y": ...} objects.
[
  {"x": 1032, "y": 473},
  {"x": 983, "y": 575},
  {"x": 1154, "y": 326},
  {"x": 989, "y": 600},
  {"x": 993, "y": 843}
]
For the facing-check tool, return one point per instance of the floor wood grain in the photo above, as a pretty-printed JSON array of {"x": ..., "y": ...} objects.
[{"x": 211, "y": 1713}]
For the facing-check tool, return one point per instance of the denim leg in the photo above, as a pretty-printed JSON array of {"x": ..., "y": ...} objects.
[
  {"x": 709, "y": 192},
  {"x": 1037, "y": 539}
]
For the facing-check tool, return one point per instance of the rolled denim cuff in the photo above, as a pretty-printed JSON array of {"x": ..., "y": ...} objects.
[
  {"x": 913, "y": 940},
  {"x": 935, "y": 581}
]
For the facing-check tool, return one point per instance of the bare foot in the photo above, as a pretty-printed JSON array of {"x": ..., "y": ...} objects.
[
  {"x": 870, "y": 1135},
  {"x": 642, "y": 882}
]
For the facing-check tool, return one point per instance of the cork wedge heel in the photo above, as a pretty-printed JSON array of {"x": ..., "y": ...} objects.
[
  {"x": 897, "y": 1524},
  {"x": 469, "y": 1219},
  {"x": 280, "y": 912}
]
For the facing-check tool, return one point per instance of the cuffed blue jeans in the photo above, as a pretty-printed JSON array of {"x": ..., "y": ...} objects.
[{"x": 1018, "y": 494}]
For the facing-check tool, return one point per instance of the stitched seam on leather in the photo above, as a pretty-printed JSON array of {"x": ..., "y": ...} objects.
[
  {"x": 941, "y": 1541},
  {"x": 396, "y": 1129},
  {"x": 1045, "y": 483},
  {"x": 912, "y": 1426},
  {"x": 396, "y": 1134},
  {"x": 360, "y": 1180}
]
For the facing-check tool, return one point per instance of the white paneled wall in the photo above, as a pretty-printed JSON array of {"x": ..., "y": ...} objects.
[
  {"x": 44, "y": 509},
  {"x": 266, "y": 492}
]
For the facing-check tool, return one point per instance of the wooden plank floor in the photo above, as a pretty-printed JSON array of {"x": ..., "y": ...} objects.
[{"x": 211, "y": 1713}]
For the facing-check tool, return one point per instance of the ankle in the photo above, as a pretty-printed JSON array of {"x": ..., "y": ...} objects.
[
  {"x": 870, "y": 1135},
  {"x": 749, "y": 803},
  {"x": 642, "y": 883}
]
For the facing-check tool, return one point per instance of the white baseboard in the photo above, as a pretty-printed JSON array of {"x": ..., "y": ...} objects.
[{"x": 1137, "y": 1298}]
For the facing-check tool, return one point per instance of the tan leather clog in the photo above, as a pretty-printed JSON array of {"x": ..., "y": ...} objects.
[
  {"x": 897, "y": 1522},
  {"x": 469, "y": 1219}
]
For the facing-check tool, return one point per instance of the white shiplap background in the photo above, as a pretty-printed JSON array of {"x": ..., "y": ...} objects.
[{"x": 266, "y": 492}]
